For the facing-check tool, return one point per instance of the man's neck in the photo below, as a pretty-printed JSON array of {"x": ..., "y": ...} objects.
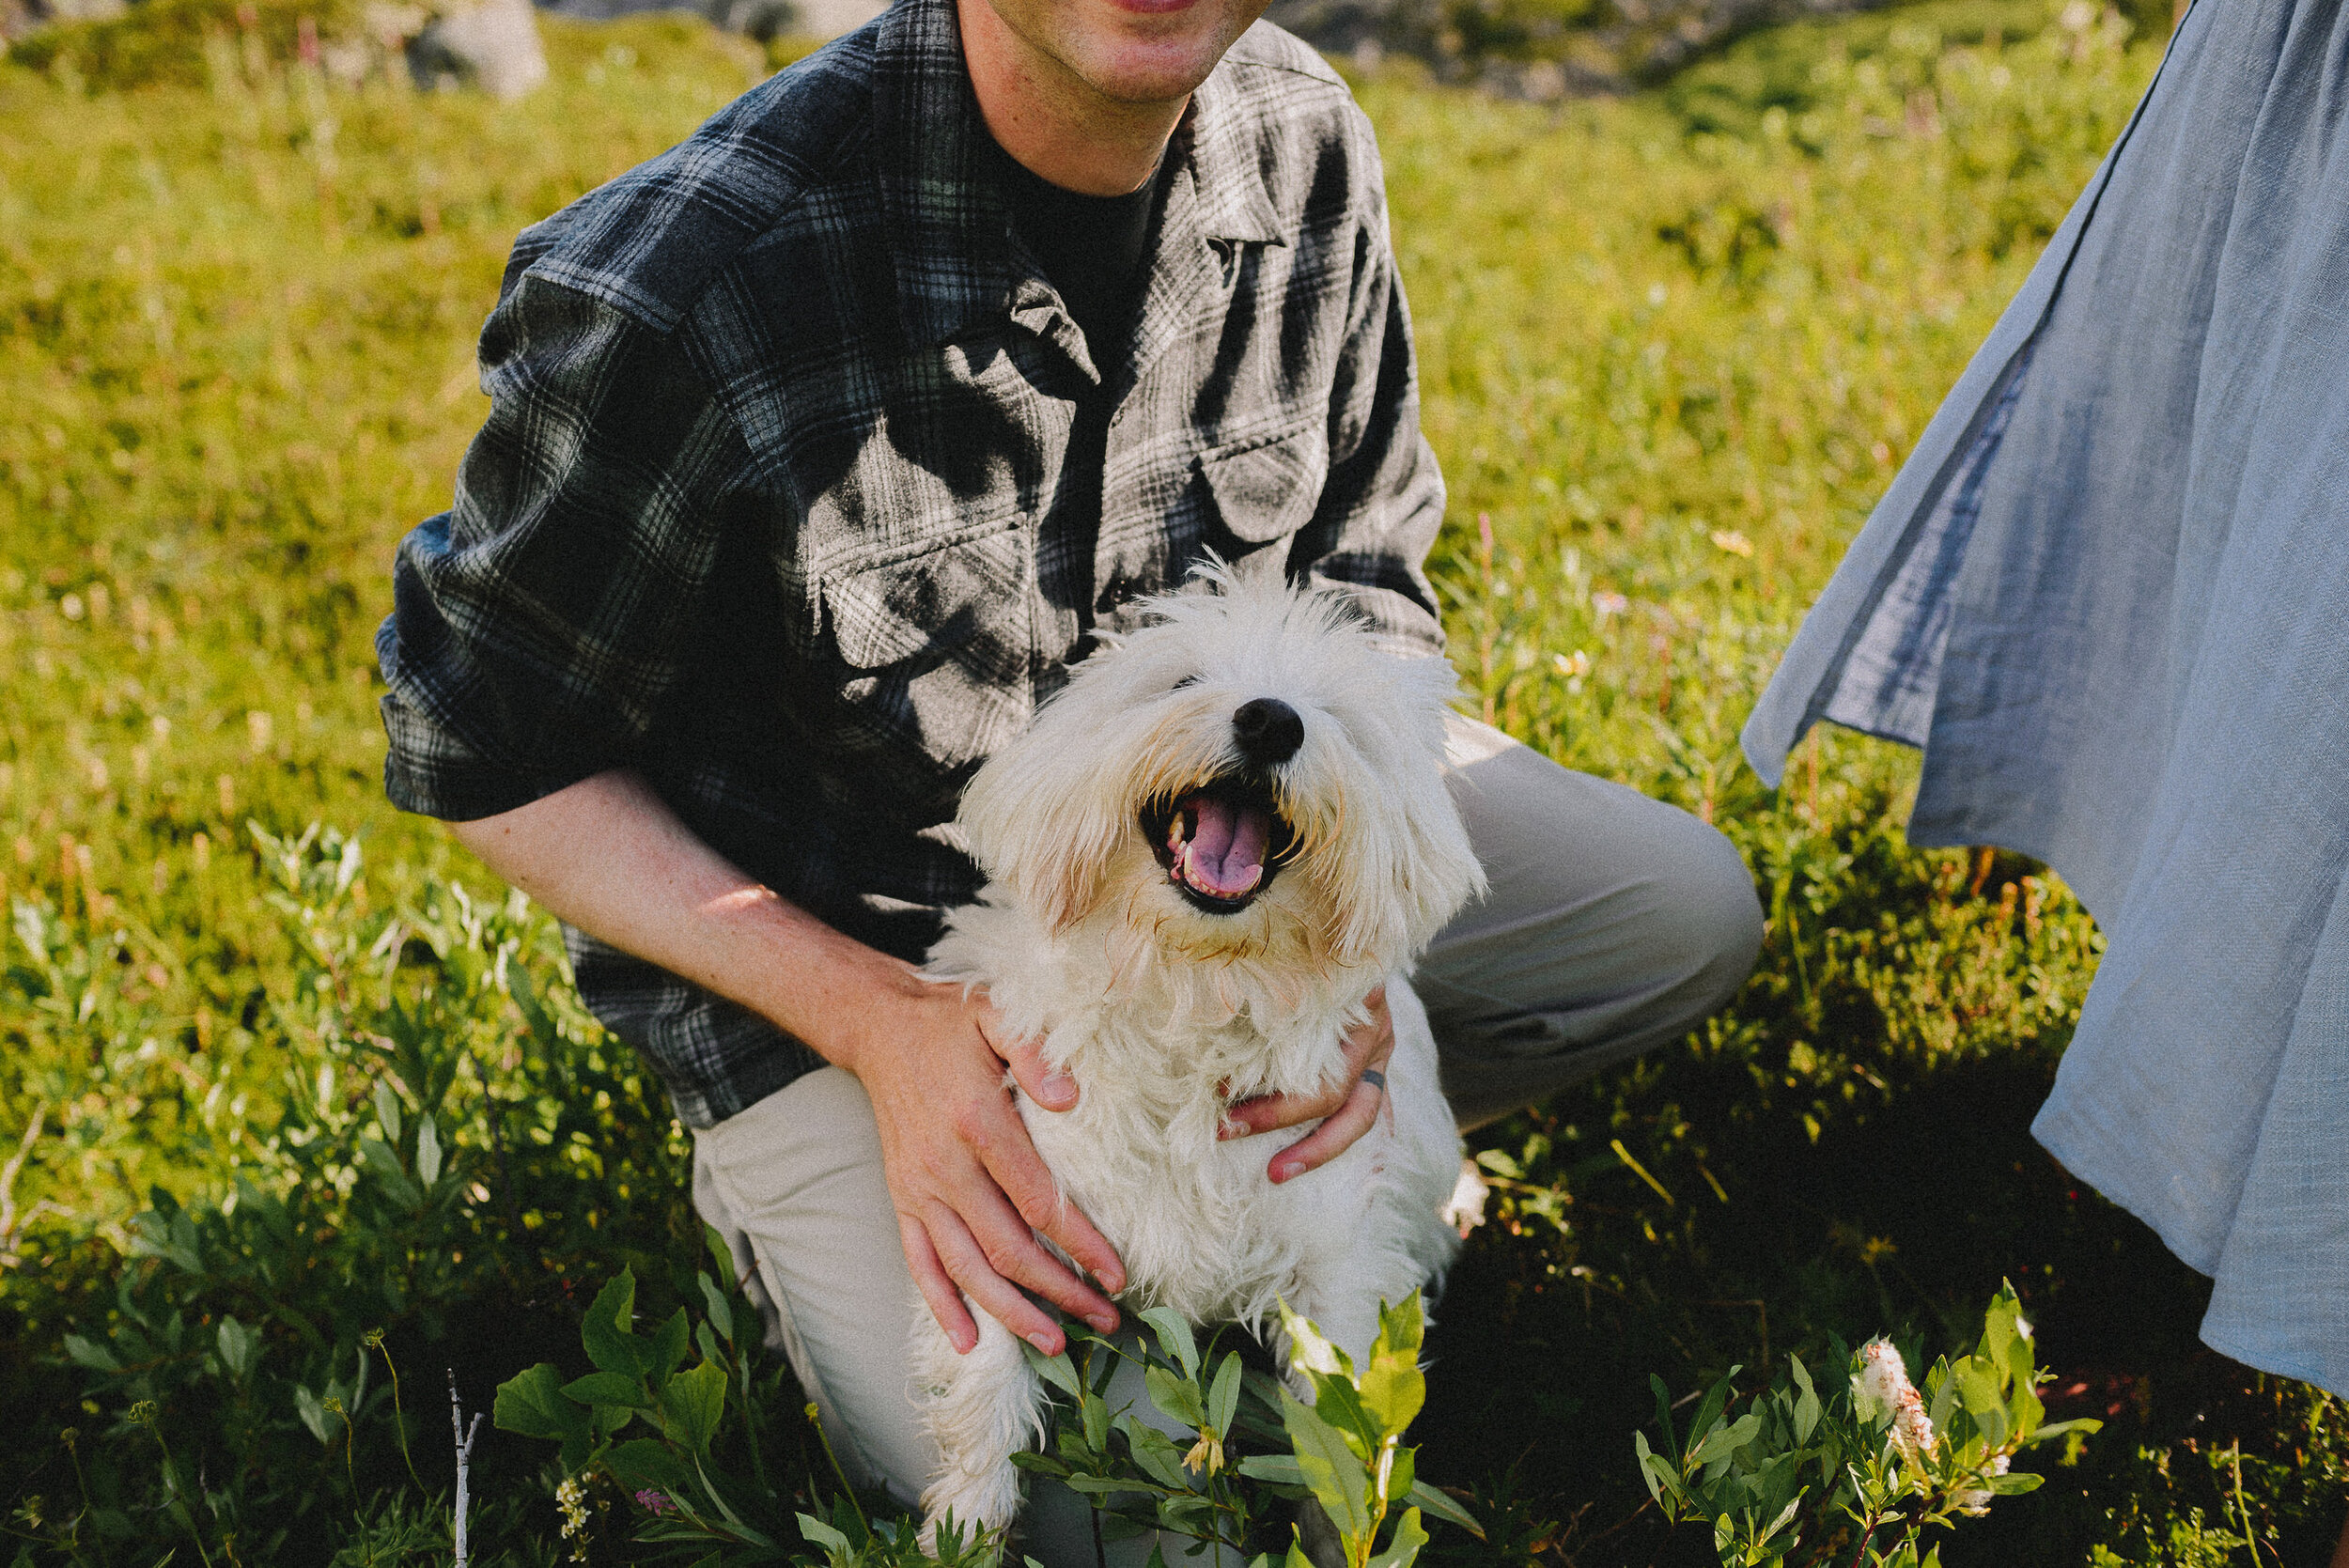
[{"x": 1050, "y": 120}]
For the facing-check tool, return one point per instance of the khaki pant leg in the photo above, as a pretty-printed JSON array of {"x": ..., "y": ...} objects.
[
  {"x": 794, "y": 1184},
  {"x": 1615, "y": 922}
]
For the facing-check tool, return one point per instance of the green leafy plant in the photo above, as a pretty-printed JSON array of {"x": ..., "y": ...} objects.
[{"x": 1863, "y": 1472}]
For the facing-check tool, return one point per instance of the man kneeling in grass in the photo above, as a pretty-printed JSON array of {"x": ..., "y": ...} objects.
[{"x": 822, "y": 446}]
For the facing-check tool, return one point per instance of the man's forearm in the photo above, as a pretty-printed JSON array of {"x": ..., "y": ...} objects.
[{"x": 609, "y": 856}]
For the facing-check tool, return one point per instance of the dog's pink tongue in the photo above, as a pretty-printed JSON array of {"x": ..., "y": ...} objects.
[{"x": 1226, "y": 855}]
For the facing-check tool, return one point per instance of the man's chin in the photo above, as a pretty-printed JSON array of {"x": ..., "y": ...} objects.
[{"x": 1155, "y": 73}]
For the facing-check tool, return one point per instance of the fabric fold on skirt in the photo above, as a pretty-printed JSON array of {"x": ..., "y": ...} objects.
[{"x": 2108, "y": 594}]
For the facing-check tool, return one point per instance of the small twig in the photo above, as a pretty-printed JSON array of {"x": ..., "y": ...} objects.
[
  {"x": 464, "y": 1435},
  {"x": 10, "y": 1222}
]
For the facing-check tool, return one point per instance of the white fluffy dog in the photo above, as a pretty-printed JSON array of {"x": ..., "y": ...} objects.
[{"x": 1204, "y": 854}]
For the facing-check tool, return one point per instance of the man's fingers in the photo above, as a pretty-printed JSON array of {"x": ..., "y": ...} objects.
[
  {"x": 1367, "y": 1044},
  {"x": 931, "y": 1279},
  {"x": 967, "y": 1262},
  {"x": 1038, "y": 1206},
  {"x": 1047, "y": 1086},
  {"x": 1270, "y": 1112},
  {"x": 1333, "y": 1137}
]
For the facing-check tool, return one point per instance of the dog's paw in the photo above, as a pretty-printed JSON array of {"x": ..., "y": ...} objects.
[
  {"x": 982, "y": 1501},
  {"x": 1465, "y": 1209}
]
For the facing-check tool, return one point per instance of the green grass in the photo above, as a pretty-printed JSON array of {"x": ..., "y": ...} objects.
[{"x": 1673, "y": 347}]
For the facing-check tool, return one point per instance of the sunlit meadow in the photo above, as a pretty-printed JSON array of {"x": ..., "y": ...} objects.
[{"x": 1673, "y": 348}]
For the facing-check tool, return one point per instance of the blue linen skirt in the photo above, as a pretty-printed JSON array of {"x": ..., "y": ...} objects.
[{"x": 2108, "y": 594}]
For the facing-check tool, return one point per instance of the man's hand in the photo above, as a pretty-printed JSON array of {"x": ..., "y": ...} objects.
[
  {"x": 970, "y": 1192},
  {"x": 1350, "y": 1105}
]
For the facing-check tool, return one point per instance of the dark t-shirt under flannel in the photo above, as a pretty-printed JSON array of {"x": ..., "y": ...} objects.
[{"x": 773, "y": 503}]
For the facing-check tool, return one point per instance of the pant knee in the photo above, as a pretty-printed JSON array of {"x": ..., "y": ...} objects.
[{"x": 1716, "y": 921}]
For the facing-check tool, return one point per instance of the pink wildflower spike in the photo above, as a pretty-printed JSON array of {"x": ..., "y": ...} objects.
[
  {"x": 655, "y": 1502},
  {"x": 1885, "y": 1379}
]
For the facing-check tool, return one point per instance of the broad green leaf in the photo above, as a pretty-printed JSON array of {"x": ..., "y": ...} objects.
[
  {"x": 1404, "y": 1548},
  {"x": 692, "y": 1403},
  {"x": 533, "y": 1405},
  {"x": 387, "y": 1111},
  {"x": 721, "y": 1255},
  {"x": 1156, "y": 1453},
  {"x": 1056, "y": 1369},
  {"x": 1977, "y": 1386},
  {"x": 313, "y": 1412},
  {"x": 1941, "y": 1393},
  {"x": 647, "y": 1462},
  {"x": 1175, "y": 1334},
  {"x": 1724, "y": 1440},
  {"x": 1100, "y": 1485},
  {"x": 1341, "y": 1405},
  {"x": 2057, "y": 1429},
  {"x": 1807, "y": 1407},
  {"x": 1664, "y": 1415},
  {"x": 1393, "y": 1387},
  {"x": 427, "y": 1152},
  {"x": 1709, "y": 1409},
  {"x": 1177, "y": 1398},
  {"x": 1444, "y": 1506},
  {"x": 821, "y": 1534},
  {"x": 1224, "y": 1398},
  {"x": 609, "y": 1387},
  {"x": 1311, "y": 1349},
  {"x": 1650, "y": 1462},
  {"x": 666, "y": 1349},
  {"x": 384, "y": 1167},
  {"x": 1328, "y": 1465},
  {"x": 1095, "y": 1410},
  {"x": 1281, "y": 1467},
  {"x": 1296, "y": 1557},
  {"x": 238, "y": 1347},
  {"x": 1786, "y": 1518},
  {"x": 90, "y": 1353},
  {"x": 721, "y": 1310},
  {"x": 605, "y": 1332}
]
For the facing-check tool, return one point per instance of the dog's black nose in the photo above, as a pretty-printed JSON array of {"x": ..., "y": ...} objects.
[{"x": 1268, "y": 731}]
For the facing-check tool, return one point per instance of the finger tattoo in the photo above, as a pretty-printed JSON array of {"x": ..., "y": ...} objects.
[{"x": 1376, "y": 1078}]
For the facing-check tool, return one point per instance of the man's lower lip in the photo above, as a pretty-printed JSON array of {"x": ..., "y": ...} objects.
[{"x": 1153, "y": 7}]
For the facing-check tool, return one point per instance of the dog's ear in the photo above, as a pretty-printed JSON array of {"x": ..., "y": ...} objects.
[{"x": 1043, "y": 821}]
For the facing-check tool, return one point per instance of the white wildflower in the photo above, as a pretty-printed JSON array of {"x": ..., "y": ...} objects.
[
  {"x": 572, "y": 1498},
  {"x": 1974, "y": 1499},
  {"x": 1884, "y": 1378}
]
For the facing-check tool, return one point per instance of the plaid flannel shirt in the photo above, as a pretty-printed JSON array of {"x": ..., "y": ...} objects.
[{"x": 769, "y": 502}]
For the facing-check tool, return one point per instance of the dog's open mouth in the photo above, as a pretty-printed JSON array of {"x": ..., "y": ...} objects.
[{"x": 1221, "y": 844}]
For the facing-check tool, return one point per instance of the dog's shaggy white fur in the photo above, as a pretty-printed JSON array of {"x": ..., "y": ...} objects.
[{"x": 1204, "y": 854}]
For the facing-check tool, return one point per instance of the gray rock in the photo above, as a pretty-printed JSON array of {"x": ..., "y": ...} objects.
[{"x": 492, "y": 46}]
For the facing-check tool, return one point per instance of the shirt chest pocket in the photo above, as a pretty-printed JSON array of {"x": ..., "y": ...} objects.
[
  {"x": 1266, "y": 488},
  {"x": 934, "y": 650}
]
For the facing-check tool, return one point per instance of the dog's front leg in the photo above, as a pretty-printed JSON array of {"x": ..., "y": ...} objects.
[{"x": 982, "y": 1408}]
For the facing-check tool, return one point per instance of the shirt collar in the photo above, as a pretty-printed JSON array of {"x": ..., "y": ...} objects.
[{"x": 949, "y": 231}]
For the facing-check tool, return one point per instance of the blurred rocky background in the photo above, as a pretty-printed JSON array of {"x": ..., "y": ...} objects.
[{"x": 1537, "y": 50}]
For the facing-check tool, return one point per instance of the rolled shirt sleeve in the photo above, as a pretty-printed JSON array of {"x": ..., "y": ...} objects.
[{"x": 538, "y": 624}]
